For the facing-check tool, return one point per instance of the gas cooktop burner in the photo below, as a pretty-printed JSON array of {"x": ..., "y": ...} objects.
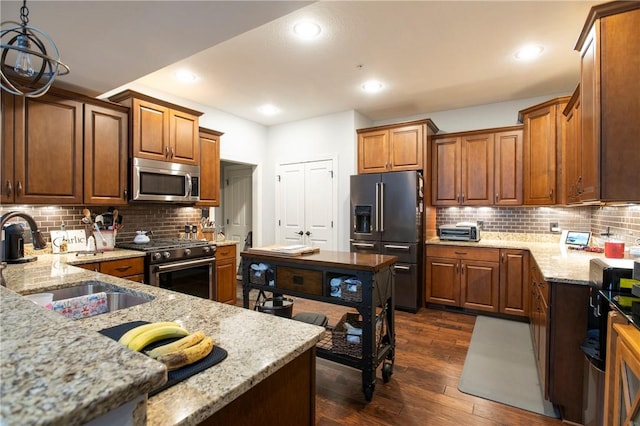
[{"x": 163, "y": 244}]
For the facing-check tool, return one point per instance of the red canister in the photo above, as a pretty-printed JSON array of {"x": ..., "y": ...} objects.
[{"x": 614, "y": 249}]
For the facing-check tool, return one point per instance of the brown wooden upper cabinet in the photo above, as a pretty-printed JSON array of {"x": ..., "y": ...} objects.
[
  {"x": 43, "y": 140},
  {"x": 394, "y": 147},
  {"x": 477, "y": 168},
  {"x": 609, "y": 93},
  {"x": 209, "y": 167},
  {"x": 570, "y": 176},
  {"x": 160, "y": 130},
  {"x": 544, "y": 130}
]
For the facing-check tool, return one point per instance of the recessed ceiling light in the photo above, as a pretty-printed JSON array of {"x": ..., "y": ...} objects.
[
  {"x": 372, "y": 86},
  {"x": 529, "y": 52},
  {"x": 185, "y": 76},
  {"x": 269, "y": 109},
  {"x": 307, "y": 30}
]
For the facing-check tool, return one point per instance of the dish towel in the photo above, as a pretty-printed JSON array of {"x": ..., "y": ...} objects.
[{"x": 82, "y": 306}]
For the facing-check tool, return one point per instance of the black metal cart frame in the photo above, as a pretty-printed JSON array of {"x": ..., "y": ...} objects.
[{"x": 377, "y": 305}]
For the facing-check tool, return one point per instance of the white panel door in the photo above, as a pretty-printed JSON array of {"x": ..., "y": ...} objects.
[
  {"x": 237, "y": 204},
  {"x": 291, "y": 204},
  {"x": 318, "y": 205},
  {"x": 306, "y": 204}
]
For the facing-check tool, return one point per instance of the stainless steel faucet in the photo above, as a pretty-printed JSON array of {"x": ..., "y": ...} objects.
[{"x": 38, "y": 240}]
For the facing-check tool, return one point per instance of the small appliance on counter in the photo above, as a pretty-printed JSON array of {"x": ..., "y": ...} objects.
[
  {"x": 461, "y": 231},
  {"x": 14, "y": 244}
]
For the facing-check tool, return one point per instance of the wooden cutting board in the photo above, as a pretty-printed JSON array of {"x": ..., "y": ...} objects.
[{"x": 285, "y": 251}]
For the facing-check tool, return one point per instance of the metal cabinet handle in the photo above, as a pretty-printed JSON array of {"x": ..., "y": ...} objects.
[
  {"x": 460, "y": 252},
  {"x": 173, "y": 152},
  {"x": 462, "y": 269},
  {"x": 123, "y": 268},
  {"x": 551, "y": 193},
  {"x": 9, "y": 188},
  {"x": 392, "y": 246},
  {"x": 463, "y": 198},
  {"x": 456, "y": 269},
  {"x": 401, "y": 267},
  {"x": 19, "y": 188},
  {"x": 366, "y": 245},
  {"x": 458, "y": 199},
  {"x": 497, "y": 197},
  {"x": 166, "y": 151},
  {"x": 502, "y": 257}
]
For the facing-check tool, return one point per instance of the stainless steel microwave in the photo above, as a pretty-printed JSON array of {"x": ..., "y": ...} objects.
[{"x": 164, "y": 181}]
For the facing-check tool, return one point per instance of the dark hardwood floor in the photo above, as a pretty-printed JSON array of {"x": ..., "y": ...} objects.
[{"x": 431, "y": 347}]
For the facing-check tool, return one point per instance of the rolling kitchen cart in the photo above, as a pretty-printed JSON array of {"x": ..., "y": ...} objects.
[{"x": 366, "y": 286}]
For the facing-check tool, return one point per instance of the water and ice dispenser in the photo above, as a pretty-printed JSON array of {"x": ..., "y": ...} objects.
[{"x": 363, "y": 218}]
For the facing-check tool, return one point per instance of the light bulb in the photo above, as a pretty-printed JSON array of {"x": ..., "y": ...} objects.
[{"x": 23, "y": 61}]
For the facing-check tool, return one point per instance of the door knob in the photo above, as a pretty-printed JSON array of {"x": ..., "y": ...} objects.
[
  {"x": 300, "y": 233},
  {"x": 307, "y": 233}
]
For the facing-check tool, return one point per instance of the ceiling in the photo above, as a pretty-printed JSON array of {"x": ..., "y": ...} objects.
[{"x": 430, "y": 55}]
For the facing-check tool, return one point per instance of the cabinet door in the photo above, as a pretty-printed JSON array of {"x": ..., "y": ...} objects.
[
  {"x": 626, "y": 402},
  {"x": 571, "y": 179},
  {"x": 589, "y": 176},
  {"x": 406, "y": 148},
  {"x": 540, "y": 156},
  {"x": 184, "y": 141},
  {"x": 514, "y": 282},
  {"x": 105, "y": 156},
  {"x": 7, "y": 185},
  {"x": 442, "y": 281},
  {"x": 48, "y": 150},
  {"x": 373, "y": 151},
  {"x": 479, "y": 285},
  {"x": 226, "y": 275},
  {"x": 150, "y": 134},
  {"x": 477, "y": 169},
  {"x": 209, "y": 169},
  {"x": 445, "y": 172},
  {"x": 508, "y": 168}
]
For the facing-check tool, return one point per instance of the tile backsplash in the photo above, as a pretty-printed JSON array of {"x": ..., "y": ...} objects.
[
  {"x": 166, "y": 221},
  {"x": 623, "y": 221}
]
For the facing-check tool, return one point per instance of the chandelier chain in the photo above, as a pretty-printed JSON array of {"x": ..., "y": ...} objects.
[{"x": 24, "y": 13}]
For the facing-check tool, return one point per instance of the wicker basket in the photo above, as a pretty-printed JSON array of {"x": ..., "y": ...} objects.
[
  {"x": 339, "y": 334},
  {"x": 260, "y": 277},
  {"x": 350, "y": 295}
]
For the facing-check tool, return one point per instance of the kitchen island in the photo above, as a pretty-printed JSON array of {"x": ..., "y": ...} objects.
[{"x": 58, "y": 371}]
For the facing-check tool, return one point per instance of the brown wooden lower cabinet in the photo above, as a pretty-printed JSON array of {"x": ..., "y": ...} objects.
[
  {"x": 130, "y": 269},
  {"x": 287, "y": 397},
  {"x": 622, "y": 377},
  {"x": 226, "y": 271},
  {"x": 514, "y": 274}
]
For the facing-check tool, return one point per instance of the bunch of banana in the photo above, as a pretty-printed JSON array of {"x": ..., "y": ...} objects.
[
  {"x": 185, "y": 351},
  {"x": 139, "y": 337}
]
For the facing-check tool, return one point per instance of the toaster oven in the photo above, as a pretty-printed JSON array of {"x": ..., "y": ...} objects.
[{"x": 459, "y": 232}]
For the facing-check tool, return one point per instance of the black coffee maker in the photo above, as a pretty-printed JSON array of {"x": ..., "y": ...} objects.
[{"x": 13, "y": 250}]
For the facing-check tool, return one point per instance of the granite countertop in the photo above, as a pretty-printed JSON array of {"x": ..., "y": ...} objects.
[
  {"x": 59, "y": 371},
  {"x": 556, "y": 262}
]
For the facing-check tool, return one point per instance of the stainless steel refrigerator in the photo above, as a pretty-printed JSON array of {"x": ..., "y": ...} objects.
[{"x": 386, "y": 218}]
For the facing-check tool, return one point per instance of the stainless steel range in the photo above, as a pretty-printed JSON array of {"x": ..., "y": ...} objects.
[{"x": 185, "y": 266}]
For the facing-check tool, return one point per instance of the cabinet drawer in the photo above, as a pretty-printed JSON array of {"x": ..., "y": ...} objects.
[
  {"x": 123, "y": 267},
  {"x": 302, "y": 280},
  {"x": 226, "y": 252},
  {"x": 464, "y": 252}
]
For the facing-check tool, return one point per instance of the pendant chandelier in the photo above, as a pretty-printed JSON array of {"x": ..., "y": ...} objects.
[{"x": 30, "y": 60}]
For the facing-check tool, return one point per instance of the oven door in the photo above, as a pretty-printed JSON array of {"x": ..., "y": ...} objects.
[{"x": 195, "y": 277}]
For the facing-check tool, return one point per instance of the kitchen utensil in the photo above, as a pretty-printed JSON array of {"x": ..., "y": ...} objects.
[
  {"x": 97, "y": 228},
  {"x": 141, "y": 237},
  {"x": 115, "y": 218},
  {"x": 614, "y": 249},
  {"x": 86, "y": 219}
]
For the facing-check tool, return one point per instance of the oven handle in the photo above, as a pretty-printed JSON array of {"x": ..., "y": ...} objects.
[{"x": 176, "y": 266}]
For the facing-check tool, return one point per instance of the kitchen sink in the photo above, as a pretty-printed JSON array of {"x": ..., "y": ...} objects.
[
  {"x": 77, "y": 302},
  {"x": 82, "y": 288}
]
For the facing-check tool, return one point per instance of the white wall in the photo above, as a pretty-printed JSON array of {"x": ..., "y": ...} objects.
[
  {"x": 329, "y": 135},
  {"x": 477, "y": 117}
]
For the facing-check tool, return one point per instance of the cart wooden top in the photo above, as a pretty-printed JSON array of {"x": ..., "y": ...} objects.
[{"x": 329, "y": 259}]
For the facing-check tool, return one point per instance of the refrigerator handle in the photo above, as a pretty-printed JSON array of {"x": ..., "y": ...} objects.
[
  {"x": 381, "y": 207},
  {"x": 377, "y": 205}
]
